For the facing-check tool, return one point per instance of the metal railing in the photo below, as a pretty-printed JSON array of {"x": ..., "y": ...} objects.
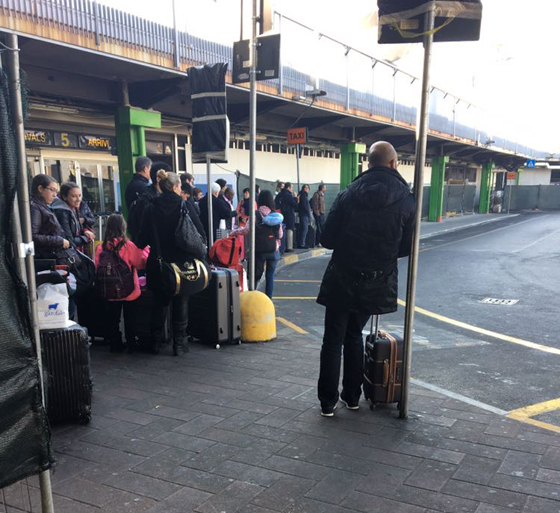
[{"x": 353, "y": 79}]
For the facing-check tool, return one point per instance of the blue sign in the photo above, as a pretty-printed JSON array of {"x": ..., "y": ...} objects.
[{"x": 530, "y": 163}]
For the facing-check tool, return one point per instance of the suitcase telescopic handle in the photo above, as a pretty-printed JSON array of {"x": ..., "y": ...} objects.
[{"x": 373, "y": 334}]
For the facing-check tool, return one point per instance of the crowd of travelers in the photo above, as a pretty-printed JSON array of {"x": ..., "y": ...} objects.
[{"x": 157, "y": 202}]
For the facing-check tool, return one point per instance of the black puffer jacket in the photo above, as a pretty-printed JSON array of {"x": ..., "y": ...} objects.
[
  {"x": 288, "y": 205},
  {"x": 369, "y": 226},
  {"x": 70, "y": 223},
  {"x": 45, "y": 229}
]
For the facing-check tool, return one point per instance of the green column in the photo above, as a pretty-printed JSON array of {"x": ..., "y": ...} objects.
[
  {"x": 131, "y": 141},
  {"x": 437, "y": 184},
  {"x": 485, "y": 188},
  {"x": 350, "y": 162}
]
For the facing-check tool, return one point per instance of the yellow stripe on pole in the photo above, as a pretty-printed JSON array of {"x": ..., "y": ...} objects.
[{"x": 483, "y": 331}]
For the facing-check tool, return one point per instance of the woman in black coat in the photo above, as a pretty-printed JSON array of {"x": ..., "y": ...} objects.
[
  {"x": 66, "y": 209},
  {"x": 158, "y": 230},
  {"x": 304, "y": 211},
  {"x": 45, "y": 228}
]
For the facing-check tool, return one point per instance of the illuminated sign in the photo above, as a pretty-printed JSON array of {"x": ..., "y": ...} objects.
[
  {"x": 39, "y": 137},
  {"x": 297, "y": 135},
  {"x": 94, "y": 142},
  {"x": 65, "y": 140}
]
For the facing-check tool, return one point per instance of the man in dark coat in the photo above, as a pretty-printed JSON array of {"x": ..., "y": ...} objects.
[
  {"x": 139, "y": 182},
  {"x": 369, "y": 227},
  {"x": 220, "y": 210},
  {"x": 287, "y": 203}
]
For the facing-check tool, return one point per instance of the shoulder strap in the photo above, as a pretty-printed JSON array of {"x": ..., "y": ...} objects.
[{"x": 154, "y": 231}]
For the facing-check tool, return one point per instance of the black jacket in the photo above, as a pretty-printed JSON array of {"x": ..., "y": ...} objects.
[
  {"x": 369, "y": 227},
  {"x": 135, "y": 188},
  {"x": 87, "y": 214},
  {"x": 304, "y": 208},
  {"x": 165, "y": 210},
  {"x": 288, "y": 205},
  {"x": 195, "y": 216},
  {"x": 45, "y": 229},
  {"x": 70, "y": 223},
  {"x": 220, "y": 210}
]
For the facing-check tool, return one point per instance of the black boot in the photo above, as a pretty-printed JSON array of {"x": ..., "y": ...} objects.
[{"x": 180, "y": 346}]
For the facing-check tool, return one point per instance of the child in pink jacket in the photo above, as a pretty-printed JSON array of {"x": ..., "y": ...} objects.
[{"x": 134, "y": 258}]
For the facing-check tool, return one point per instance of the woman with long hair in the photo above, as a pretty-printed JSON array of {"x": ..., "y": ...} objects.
[
  {"x": 118, "y": 284},
  {"x": 45, "y": 229},
  {"x": 66, "y": 209},
  {"x": 159, "y": 231}
]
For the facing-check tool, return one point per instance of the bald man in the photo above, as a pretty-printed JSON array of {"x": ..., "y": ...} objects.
[{"x": 369, "y": 227}]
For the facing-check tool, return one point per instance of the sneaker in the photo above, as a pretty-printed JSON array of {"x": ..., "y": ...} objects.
[
  {"x": 349, "y": 405},
  {"x": 328, "y": 411}
]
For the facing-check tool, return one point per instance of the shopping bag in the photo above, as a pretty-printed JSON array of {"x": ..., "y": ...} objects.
[{"x": 52, "y": 306}]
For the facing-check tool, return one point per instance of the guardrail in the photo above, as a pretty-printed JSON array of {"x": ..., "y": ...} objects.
[{"x": 369, "y": 84}]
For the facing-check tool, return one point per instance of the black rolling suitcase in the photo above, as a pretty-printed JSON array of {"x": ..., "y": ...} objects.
[
  {"x": 138, "y": 321},
  {"x": 215, "y": 313},
  {"x": 383, "y": 366},
  {"x": 67, "y": 364}
]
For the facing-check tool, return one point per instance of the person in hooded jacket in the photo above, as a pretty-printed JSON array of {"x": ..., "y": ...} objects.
[
  {"x": 369, "y": 227},
  {"x": 163, "y": 218},
  {"x": 304, "y": 211},
  {"x": 67, "y": 208}
]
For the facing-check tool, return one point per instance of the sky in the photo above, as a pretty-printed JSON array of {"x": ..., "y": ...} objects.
[{"x": 512, "y": 73}]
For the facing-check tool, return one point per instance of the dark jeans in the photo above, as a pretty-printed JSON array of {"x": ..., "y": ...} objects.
[
  {"x": 113, "y": 321},
  {"x": 303, "y": 229},
  {"x": 319, "y": 222},
  {"x": 271, "y": 260},
  {"x": 342, "y": 329},
  {"x": 179, "y": 317}
]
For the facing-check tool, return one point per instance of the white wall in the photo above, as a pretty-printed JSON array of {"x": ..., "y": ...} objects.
[
  {"x": 535, "y": 176},
  {"x": 279, "y": 166},
  {"x": 407, "y": 172}
]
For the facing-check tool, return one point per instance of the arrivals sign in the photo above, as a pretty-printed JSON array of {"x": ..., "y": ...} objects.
[
  {"x": 297, "y": 135},
  {"x": 69, "y": 140}
]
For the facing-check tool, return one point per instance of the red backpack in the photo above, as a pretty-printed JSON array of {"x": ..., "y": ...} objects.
[{"x": 226, "y": 252}]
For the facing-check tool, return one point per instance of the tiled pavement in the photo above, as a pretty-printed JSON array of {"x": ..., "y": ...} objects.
[{"x": 238, "y": 430}]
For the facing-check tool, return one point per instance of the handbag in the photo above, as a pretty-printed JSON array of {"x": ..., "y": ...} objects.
[
  {"x": 187, "y": 237},
  {"x": 80, "y": 265},
  {"x": 176, "y": 278}
]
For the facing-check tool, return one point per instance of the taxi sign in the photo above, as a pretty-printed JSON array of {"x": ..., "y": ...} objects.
[
  {"x": 512, "y": 175},
  {"x": 297, "y": 135}
]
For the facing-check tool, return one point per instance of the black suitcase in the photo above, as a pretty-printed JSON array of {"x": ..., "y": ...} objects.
[
  {"x": 215, "y": 313},
  {"x": 92, "y": 313},
  {"x": 67, "y": 364},
  {"x": 137, "y": 316},
  {"x": 310, "y": 237},
  {"x": 383, "y": 366}
]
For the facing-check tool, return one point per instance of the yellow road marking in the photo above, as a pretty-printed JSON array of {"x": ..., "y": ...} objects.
[
  {"x": 482, "y": 331},
  {"x": 293, "y": 326},
  {"x": 297, "y": 281},
  {"x": 290, "y": 259},
  {"x": 538, "y": 423},
  {"x": 294, "y": 297},
  {"x": 536, "y": 409}
]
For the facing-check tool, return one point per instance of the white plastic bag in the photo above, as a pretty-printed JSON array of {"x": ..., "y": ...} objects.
[{"x": 52, "y": 306}]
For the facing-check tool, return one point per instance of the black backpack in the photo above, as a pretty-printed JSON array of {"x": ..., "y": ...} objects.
[
  {"x": 265, "y": 236},
  {"x": 136, "y": 216},
  {"x": 114, "y": 279}
]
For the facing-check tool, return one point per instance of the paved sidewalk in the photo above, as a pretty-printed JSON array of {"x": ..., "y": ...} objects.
[{"x": 239, "y": 430}]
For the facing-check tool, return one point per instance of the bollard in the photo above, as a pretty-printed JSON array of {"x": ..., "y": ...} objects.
[{"x": 258, "y": 317}]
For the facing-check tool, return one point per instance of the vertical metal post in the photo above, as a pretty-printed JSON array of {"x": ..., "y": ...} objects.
[
  {"x": 25, "y": 218},
  {"x": 280, "y": 71},
  {"x": 253, "y": 141},
  {"x": 347, "y": 78},
  {"x": 175, "y": 38},
  {"x": 96, "y": 22},
  {"x": 395, "y": 96},
  {"x": 510, "y": 193},
  {"x": 298, "y": 149},
  {"x": 421, "y": 140},
  {"x": 210, "y": 198}
]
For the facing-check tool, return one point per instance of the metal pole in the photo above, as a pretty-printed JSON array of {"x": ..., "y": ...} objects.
[
  {"x": 297, "y": 160},
  {"x": 253, "y": 140},
  {"x": 421, "y": 141},
  {"x": 25, "y": 218},
  {"x": 175, "y": 37},
  {"x": 509, "y": 196},
  {"x": 210, "y": 198},
  {"x": 280, "y": 71}
]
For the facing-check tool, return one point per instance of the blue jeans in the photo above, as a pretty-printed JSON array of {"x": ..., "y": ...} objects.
[
  {"x": 303, "y": 229},
  {"x": 271, "y": 260}
]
